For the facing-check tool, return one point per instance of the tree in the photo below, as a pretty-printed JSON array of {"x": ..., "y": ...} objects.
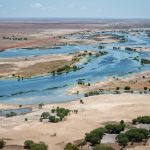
[
  {"x": 28, "y": 144},
  {"x": 2, "y": 144},
  {"x": 95, "y": 136},
  {"x": 45, "y": 115},
  {"x": 70, "y": 146}
]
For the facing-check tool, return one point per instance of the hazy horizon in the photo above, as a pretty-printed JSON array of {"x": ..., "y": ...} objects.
[{"x": 96, "y": 9}]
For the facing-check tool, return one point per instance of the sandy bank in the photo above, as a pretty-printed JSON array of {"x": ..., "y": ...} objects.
[{"x": 92, "y": 114}]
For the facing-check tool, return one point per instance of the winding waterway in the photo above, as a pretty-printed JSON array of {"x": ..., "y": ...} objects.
[{"x": 52, "y": 89}]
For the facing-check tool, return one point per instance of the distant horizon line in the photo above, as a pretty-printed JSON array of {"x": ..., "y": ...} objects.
[{"x": 69, "y": 18}]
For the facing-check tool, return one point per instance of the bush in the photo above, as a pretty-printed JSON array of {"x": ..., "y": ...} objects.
[
  {"x": 144, "y": 119},
  {"x": 2, "y": 143},
  {"x": 133, "y": 135},
  {"x": 123, "y": 140},
  {"x": 39, "y": 146},
  {"x": 127, "y": 88},
  {"x": 53, "y": 119},
  {"x": 70, "y": 146},
  {"x": 45, "y": 115},
  {"x": 115, "y": 128},
  {"x": 28, "y": 144},
  {"x": 103, "y": 147},
  {"x": 95, "y": 136}
]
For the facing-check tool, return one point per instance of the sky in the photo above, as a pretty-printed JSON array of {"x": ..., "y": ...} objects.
[{"x": 75, "y": 8}]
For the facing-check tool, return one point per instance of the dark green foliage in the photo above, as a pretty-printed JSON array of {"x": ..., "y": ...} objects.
[
  {"x": 145, "y": 61},
  {"x": 28, "y": 144},
  {"x": 62, "y": 112},
  {"x": 53, "y": 119},
  {"x": 39, "y": 146},
  {"x": 127, "y": 88},
  {"x": 70, "y": 146},
  {"x": 95, "y": 136},
  {"x": 2, "y": 143},
  {"x": 130, "y": 49},
  {"x": 103, "y": 147},
  {"x": 143, "y": 119},
  {"x": 115, "y": 128},
  {"x": 45, "y": 115},
  {"x": 132, "y": 135},
  {"x": 41, "y": 105}
]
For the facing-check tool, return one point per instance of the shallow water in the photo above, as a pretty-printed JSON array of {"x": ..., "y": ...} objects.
[{"x": 49, "y": 89}]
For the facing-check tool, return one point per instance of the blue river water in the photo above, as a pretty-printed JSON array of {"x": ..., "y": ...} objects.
[{"x": 52, "y": 89}]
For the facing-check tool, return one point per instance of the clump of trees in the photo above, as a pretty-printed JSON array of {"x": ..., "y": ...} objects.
[
  {"x": 71, "y": 146},
  {"x": 132, "y": 135},
  {"x": 65, "y": 69},
  {"x": 130, "y": 49},
  {"x": 2, "y": 143},
  {"x": 60, "y": 114},
  {"x": 115, "y": 128},
  {"x": 145, "y": 61},
  {"x": 45, "y": 115},
  {"x": 31, "y": 145},
  {"x": 142, "y": 119},
  {"x": 95, "y": 136},
  {"x": 103, "y": 147}
]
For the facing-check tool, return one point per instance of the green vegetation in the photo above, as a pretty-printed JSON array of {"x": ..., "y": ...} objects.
[
  {"x": 132, "y": 135},
  {"x": 101, "y": 47},
  {"x": 115, "y": 128},
  {"x": 15, "y": 38},
  {"x": 53, "y": 119},
  {"x": 103, "y": 147},
  {"x": 127, "y": 88},
  {"x": 29, "y": 144},
  {"x": 95, "y": 136},
  {"x": 11, "y": 114},
  {"x": 130, "y": 49},
  {"x": 65, "y": 69},
  {"x": 143, "y": 119},
  {"x": 70, "y": 146},
  {"x": 41, "y": 105},
  {"x": 2, "y": 144},
  {"x": 60, "y": 114},
  {"x": 145, "y": 61},
  {"x": 45, "y": 115}
]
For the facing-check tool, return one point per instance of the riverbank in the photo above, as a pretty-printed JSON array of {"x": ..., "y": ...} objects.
[
  {"x": 93, "y": 113},
  {"x": 139, "y": 82}
]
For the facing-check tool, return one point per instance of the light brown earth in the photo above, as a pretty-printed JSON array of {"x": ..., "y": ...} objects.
[
  {"x": 32, "y": 66},
  {"x": 137, "y": 82},
  {"x": 92, "y": 114}
]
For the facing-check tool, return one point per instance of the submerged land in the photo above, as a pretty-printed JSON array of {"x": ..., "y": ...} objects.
[{"x": 99, "y": 70}]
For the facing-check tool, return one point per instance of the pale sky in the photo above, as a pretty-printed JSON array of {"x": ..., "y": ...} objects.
[{"x": 75, "y": 8}]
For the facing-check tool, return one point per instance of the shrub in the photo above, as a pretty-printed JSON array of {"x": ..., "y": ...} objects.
[
  {"x": 103, "y": 147},
  {"x": 115, "y": 128},
  {"x": 122, "y": 139},
  {"x": 143, "y": 119},
  {"x": 127, "y": 88},
  {"x": 95, "y": 136},
  {"x": 39, "y": 146},
  {"x": 53, "y": 119},
  {"x": 28, "y": 144},
  {"x": 132, "y": 135},
  {"x": 70, "y": 146},
  {"x": 45, "y": 115},
  {"x": 2, "y": 143},
  {"x": 41, "y": 105}
]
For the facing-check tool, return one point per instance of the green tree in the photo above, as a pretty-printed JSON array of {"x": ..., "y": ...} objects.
[
  {"x": 103, "y": 147},
  {"x": 2, "y": 144},
  {"x": 70, "y": 146}
]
